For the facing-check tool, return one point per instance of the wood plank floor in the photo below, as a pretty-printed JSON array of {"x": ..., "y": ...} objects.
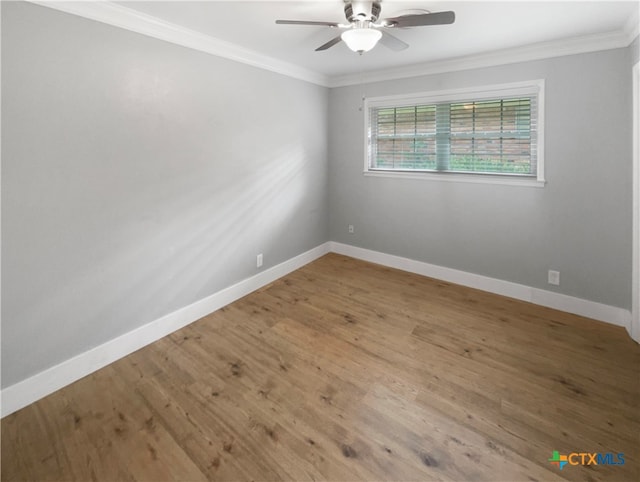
[{"x": 345, "y": 370}]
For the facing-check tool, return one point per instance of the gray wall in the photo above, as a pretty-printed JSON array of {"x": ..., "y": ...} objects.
[
  {"x": 579, "y": 224},
  {"x": 634, "y": 50},
  {"x": 138, "y": 177}
]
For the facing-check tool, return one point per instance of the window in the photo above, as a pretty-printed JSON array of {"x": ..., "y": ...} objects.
[{"x": 489, "y": 134}]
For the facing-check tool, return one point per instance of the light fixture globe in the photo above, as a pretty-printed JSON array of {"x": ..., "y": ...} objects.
[{"x": 361, "y": 39}]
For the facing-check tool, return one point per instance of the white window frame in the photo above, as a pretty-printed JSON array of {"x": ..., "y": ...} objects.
[{"x": 486, "y": 92}]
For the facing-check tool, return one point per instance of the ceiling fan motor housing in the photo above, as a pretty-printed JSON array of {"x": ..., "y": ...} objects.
[
  {"x": 362, "y": 33},
  {"x": 361, "y": 11}
]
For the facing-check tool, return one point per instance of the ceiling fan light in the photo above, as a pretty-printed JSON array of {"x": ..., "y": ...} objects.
[{"x": 361, "y": 39}]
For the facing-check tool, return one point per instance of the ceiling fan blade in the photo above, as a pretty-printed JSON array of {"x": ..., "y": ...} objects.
[
  {"x": 330, "y": 43},
  {"x": 305, "y": 22},
  {"x": 436, "y": 18},
  {"x": 394, "y": 43}
]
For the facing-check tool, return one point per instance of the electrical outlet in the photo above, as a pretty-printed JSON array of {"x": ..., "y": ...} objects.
[
  {"x": 259, "y": 261},
  {"x": 351, "y": 229},
  {"x": 554, "y": 277}
]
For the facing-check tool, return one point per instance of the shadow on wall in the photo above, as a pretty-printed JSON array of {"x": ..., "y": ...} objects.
[{"x": 164, "y": 262}]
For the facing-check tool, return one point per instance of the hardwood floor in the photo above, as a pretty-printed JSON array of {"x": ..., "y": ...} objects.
[{"x": 345, "y": 370}]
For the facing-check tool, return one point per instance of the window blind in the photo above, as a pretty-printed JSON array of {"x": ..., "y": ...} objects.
[{"x": 495, "y": 135}]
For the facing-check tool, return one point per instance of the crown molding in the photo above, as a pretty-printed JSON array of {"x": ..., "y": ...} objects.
[
  {"x": 129, "y": 19},
  {"x": 537, "y": 51},
  {"x": 632, "y": 27}
]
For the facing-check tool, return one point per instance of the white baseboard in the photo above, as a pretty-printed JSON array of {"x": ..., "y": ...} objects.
[
  {"x": 590, "y": 309},
  {"x": 38, "y": 386},
  {"x": 23, "y": 393}
]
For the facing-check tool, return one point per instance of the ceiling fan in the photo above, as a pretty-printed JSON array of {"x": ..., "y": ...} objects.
[{"x": 362, "y": 33}]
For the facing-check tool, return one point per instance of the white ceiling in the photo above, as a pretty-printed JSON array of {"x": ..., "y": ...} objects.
[{"x": 480, "y": 27}]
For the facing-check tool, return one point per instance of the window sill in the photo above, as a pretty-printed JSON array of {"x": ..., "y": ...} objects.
[{"x": 460, "y": 177}]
